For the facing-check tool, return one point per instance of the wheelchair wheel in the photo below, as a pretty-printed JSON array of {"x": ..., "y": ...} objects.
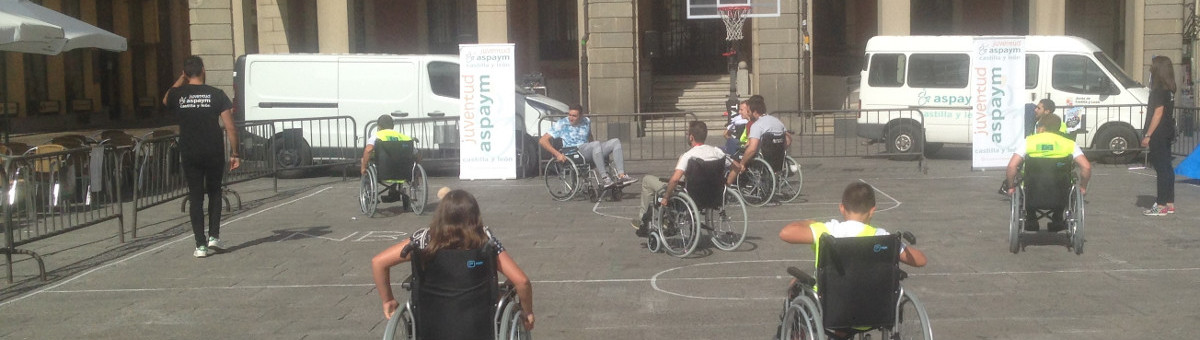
[
  {"x": 729, "y": 224},
  {"x": 757, "y": 183},
  {"x": 791, "y": 179},
  {"x": 800, "y": 322},
  {"x": 677, "y": 226},
  {"x": 912, "y": 321},
  {"x": 418, "y": 190},
  {"x": 1075, "y": 218},
  {"x": 562, "y": 179},
  {"x": 400, "y": 326},
  {"x": 1015, "y": 222},
  {"x": 368, "y": 193},
  {"x": 652, "y": 243},
  {"x": 511, "y": 327}
]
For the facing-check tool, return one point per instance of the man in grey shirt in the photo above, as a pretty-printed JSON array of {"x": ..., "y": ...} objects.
[{"x": 760, "y": 124}]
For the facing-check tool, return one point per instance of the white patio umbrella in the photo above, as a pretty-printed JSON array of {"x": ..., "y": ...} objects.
[
  {"x": 28, "y": 35},
  {"x": 78, "y": 34}
]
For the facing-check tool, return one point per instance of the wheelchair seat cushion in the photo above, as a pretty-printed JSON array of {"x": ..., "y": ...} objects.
[
  {"x": 859, "y": 280},
  {"x": 706, "y": 182},
  {"x": 394, "y": 160},
  {"x": 1047, "y": 182}
]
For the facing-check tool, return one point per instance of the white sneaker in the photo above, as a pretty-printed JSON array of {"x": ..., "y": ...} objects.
[
  {"x": 201, "y": 251},
  {"x": 214, "y": 242}
]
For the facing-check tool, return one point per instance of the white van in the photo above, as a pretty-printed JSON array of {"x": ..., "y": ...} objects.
[
  {"x": 365, "y": 86},
  {"x": 932, "y": 72}
]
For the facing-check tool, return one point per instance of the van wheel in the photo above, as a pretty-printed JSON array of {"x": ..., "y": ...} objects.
[
  {"x": 291, "y": 154},
  {"x": 904, "y": 138},
  {"x": 1114, "y": 143},
  {"x": 527, "y": 155}
]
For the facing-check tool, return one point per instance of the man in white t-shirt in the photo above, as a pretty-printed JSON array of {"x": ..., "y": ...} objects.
[{"x": 697, "y": 133}]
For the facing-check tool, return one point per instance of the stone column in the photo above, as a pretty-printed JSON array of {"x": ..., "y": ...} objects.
[
  {"x": 211, "y": 27},
  {"x": 1163, "y": 35},
  {"x": 272, "y": 36},
  {"x": 333, "y": 26},
  {"x": 895, "y": 17},
  {"x": 612, "y": 77},
  {"x": 1047, "y": 17},
  {"x": 777, "y": 65},
  {"x": 492, "y": 21}
]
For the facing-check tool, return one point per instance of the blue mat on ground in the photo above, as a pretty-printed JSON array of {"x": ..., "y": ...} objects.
[{"x": 1190, "y": 166}]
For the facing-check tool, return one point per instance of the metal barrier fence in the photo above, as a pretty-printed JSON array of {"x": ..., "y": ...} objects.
[
  {"x": 51, "y": 190},
  {"x": 437, "y": 137},
  {"x": 643, "y": 136},
  {"x": 306, "y": 143},
  {"x": 1187, "y": 127},
  {"x": 834, "y": 133}
]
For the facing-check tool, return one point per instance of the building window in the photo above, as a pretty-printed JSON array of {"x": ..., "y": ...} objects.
[
  {"x": 73, "y": 60},
  {"x": 35, "y": 84},
  {"x": 945, "y": 71},
  {"x": 887, "y": 70},
  {"x": 451, "y": 22},
  {"x": 557, "y": 30}
]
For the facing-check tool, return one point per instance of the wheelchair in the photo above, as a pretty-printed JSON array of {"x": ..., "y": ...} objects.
[
  {"x": 394, "y": 169},
  {"x": 704, "y": 203},
  {"x": 860, "y": 293},
  {"x": 772, "y": 174},
  {"x": 1045, "y": 186},
  {"x": 565, "y": 180},
  {"x": 439, "y": 294}
]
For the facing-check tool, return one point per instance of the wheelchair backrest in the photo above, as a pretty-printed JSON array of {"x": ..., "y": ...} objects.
[
  {"x": 454, "y": 295},
  {"x": 706, "y": 182},
  {"x": 859, "y": 280},
  {"x": 394, "y": 159},
  {"x": 1047, "y": 182},
  {"x": 773, "y": 149}
]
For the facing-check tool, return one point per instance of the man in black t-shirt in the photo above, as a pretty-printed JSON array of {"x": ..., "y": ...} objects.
[{"x": 199, "y": 107}]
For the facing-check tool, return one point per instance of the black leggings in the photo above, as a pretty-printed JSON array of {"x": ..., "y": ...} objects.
[
  {"x": 1160, "y": 158},
  {"x": 204, "y": 177}
]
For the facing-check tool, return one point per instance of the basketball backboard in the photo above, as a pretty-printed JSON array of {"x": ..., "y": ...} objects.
[{"x": 707, "y": 9}]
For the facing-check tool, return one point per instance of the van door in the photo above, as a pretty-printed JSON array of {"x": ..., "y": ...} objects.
[
  {"x": 370, "y": 87},
  {"x": 940, "y": 81},
  {"x": 1077, "y": 79}
]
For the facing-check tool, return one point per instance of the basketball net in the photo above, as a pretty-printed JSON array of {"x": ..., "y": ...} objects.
[{"x": 734, "y": 17}]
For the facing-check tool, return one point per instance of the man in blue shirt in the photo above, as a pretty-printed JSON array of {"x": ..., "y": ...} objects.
[{"x": 576, "y": 131}]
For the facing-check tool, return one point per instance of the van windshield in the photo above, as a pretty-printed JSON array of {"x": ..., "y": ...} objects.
[{"x": 1116, "y": 71}]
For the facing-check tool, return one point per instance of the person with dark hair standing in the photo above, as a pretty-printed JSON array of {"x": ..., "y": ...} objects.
[
  {"x": 202, "y": 109},
  {"x": 457, "y": 224},
  {"x": 1160, "y": 133}
]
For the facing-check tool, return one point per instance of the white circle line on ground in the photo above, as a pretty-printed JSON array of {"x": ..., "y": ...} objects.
[
  {"x": 884, "y": 194},
  {"x": 654, "y": 279},
  {"x": 189, "y": 236}
]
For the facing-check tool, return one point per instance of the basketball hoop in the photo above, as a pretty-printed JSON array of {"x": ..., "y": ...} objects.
[{"x": 734, "y": 17}]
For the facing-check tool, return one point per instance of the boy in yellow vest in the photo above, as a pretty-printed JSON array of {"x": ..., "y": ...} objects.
[
  {"x": 857, "y": 207},
  {"x": 1049, "y": 144},
  {"x": 384, "y": 132}
]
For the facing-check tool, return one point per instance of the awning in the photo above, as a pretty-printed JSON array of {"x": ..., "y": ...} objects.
[
  {"x": 76, "y": 33},
  {"x": 21, "y": 34}
]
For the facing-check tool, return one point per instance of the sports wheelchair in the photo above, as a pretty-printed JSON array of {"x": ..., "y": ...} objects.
[
  {"x": 676, "y": 228},
  {"x": 860, "y": 293},
  {"x": 1047, "y": 185},
  {"x": 771, "y": 174},
  {"x": 447, "y": 295},
  {"x": 578, "y": 174},
  {"x": 394, "y": 170}
]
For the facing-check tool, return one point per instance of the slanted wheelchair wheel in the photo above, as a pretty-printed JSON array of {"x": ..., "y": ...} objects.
[
  {"x": 1075, "y": 218},
  {"x": 678, "y": 228},
  {"x": 400, "y": 326},
  {"x": 418, "y": 190},
  {"x": 912, "y": 321},
  {"x": 791, "y": 180},
  {"x": 757, "y": 183},
  {"x": 511, "y": 327},
  {"x": 1017, "y": 211},
  {"x": 368, "y": 193},
  {"x": 562, "y": 179},
  {"x": 730, "y": 222},
  {"x": 800, "y": 322},
  {"x": 653, "y": 244}
]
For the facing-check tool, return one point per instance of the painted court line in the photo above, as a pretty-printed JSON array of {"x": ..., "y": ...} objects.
[{"x": 2, "y": 304}]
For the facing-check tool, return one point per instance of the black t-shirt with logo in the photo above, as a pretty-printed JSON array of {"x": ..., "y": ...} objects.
[
  {"x": 199, "y": 110},
  {"x": 1166, "y": 125}
]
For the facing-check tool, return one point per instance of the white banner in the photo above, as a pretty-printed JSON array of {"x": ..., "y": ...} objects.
[
  {"x": 487, "y": 125},
  {"x": 997, "y": 111}
]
